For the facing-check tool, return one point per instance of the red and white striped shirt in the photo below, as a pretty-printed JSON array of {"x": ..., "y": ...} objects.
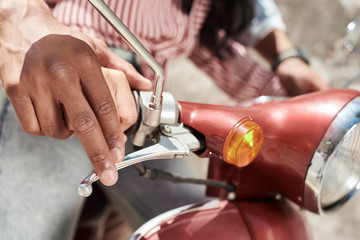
[{"x": 167, "y": 32}]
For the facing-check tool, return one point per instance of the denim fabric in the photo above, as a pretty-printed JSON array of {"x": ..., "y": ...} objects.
[{"x": 38, "y": 179}]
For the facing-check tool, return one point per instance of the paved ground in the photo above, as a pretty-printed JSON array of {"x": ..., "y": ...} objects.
[{"x": 314, "y": 25}]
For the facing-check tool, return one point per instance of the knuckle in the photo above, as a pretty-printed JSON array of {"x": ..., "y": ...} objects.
[
  {"x": 31, "y": 129},
  {"x": 21, "y": 104},
  {"x": 122, "y": 76},
  {"x": 84, "y": 124},
  {"x": 105, "y": 108},
  {"x": 130, "y": 119},
  {"x": 130, "y": 69},
  {"x": 77, "y": 43},
  {"x": 99, "y": 45},
  {"x": 125, "y": 138},
  {"x": 64, "y": 134},
  {"x": 98, "y": 157},
  {"x": 51, "y": 127},
  {"x": 12, "y": 89},
  {"x": 51, "y": 131},
  {"x": 113, "y": 137},
  {"x": 86, "y": 59},
  {"x": 59, "y": 70},
  {"x": 86, "y": 55},
  {"x": 84, "y": 51}
]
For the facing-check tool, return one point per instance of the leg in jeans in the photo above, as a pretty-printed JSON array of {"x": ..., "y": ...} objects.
[{"x": 38, "y": 182}]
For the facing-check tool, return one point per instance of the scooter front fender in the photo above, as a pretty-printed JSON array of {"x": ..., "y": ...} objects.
[{"x": 219, "y": 220}]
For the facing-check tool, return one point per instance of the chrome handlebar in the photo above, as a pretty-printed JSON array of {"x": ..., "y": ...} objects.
[
  {"x": 137, "y": 47},
  {"x": 151, "y": 117}
]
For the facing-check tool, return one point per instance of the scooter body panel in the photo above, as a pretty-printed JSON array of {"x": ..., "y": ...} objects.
[
  {"x": 292, "y": 128},
  {"x": 275, "y": 219}
]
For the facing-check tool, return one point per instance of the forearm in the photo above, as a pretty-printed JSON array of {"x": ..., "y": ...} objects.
[
  {"x": 294, "y": 72},
  {"x": 23, "y": 22},
  {"x": 17, "y": 10},
  {"x": 24, "y": 18},
  {"x": 273, "y": 44}
]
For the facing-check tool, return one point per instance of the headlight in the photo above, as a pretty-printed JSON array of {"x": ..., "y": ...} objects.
[{"x": 334, "y": 173}]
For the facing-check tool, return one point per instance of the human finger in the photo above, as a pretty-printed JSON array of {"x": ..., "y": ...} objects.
[
  {"x": 100, "y": 99},
  {"x": 109, "y": 59},
  {"x": 24, "y": 109},
  {"x": 123, "y": 97},
  {"x": 87, "y": 129},
  {"x": 50, "y": 117}
]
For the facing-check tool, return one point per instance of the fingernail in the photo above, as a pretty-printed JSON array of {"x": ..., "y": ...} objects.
[
  {"x": 117, "y": 154},
  {"x": 108, "y": 177}
]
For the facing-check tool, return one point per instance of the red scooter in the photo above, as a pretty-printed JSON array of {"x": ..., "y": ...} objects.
[{"x": 265, "y": 158}]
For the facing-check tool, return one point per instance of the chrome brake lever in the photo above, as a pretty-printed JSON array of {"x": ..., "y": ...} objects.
[{"x": 177, "y": 143}]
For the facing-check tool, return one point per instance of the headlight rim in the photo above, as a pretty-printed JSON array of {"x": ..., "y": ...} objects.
[{"x": 341, "y": 126}]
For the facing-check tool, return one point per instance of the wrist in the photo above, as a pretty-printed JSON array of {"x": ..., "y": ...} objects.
[
  {"x": 273, "y": 44},
  {"x": 287, "y": 54}
]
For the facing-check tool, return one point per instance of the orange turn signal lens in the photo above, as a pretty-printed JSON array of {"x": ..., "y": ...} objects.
[{"x": 243, "y": 143}]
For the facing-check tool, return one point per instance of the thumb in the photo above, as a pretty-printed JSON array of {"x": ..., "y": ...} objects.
[{"x": 109, "y": 59}]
